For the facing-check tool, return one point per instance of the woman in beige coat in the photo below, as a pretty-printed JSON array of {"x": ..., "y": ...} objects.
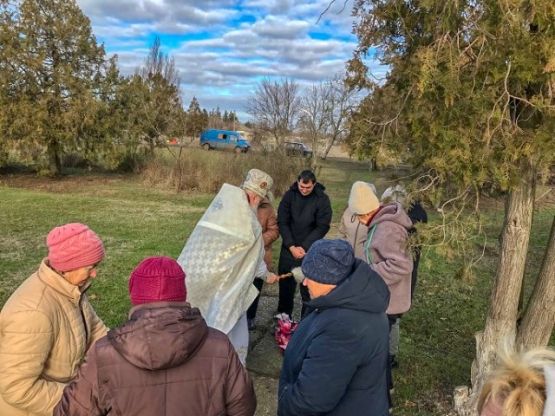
[{"x": 47, "y": 325}]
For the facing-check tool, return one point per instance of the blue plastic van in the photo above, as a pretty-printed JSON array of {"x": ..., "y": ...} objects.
[{"x": 224, "y": 139}]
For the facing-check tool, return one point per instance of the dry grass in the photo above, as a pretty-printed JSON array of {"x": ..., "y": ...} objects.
[{"x": 206, "y": 171}]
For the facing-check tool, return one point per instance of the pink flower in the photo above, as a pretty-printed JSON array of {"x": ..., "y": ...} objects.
[{"x": 284, "y": 331}]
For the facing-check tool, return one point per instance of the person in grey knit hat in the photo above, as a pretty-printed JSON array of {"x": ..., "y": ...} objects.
[{"x": 335, "y": 362}]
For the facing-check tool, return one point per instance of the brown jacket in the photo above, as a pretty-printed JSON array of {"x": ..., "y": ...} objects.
[
  {"x": 164, "y": 361},
  {"x": 270, "y": 231},
  {"x": 46, "y": 327}
]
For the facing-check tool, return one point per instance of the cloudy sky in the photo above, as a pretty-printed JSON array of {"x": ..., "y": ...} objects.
[{"x": 222, "y": 48}]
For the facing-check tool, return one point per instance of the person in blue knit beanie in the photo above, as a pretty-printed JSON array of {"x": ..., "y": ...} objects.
[{"x": 335, "y": 363}]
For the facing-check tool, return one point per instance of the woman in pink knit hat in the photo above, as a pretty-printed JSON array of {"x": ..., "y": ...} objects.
[{"x": 47, "y": 325}]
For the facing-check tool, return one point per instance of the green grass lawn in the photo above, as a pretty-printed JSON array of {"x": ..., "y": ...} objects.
[{"x": 136, "y": 220}]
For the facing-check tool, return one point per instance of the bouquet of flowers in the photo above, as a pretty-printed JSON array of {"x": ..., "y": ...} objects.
[{"x": 284, "y": 329}]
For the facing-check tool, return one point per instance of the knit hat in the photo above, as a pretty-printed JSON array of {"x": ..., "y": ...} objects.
[
  {"x": 258, "y": 182},
  {"x": 72, "y": 246},
  {"x": 157, "y": 279},
  {"x": 362, "y": 198},
  {"x": 328, "y": 261}
]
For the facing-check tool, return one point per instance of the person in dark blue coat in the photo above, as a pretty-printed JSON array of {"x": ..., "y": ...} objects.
[{"x": 335, "y": 363}]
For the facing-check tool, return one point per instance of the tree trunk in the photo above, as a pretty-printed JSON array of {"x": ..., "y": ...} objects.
[
  {"x": 54, "y": 158},
  {"x": 373, "y": 164},
  {"x": 328, "y": 148},
  {"x": 314, "y": 158},
  {"x": 537, "y": 325},
  {"x": 503, "y": 308}
]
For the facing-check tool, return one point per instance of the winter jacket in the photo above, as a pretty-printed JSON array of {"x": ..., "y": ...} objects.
[
  {"x": 46, "y": 327},
  {"x": 354, "y": 232},
  {"x": 270, "y": 231},
  {"x": 335, "y": 363},
  {"x": 164, "y": 361},
  {"x": 416, "y": 213},
  {"x": 388, "y": 254},
  {"x": 302, "y": 220}
]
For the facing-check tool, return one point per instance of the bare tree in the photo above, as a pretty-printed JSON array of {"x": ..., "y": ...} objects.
[
  {"x": 325, "y": 108},
  {"x": 314, "y": 118},
  {"x": 342, "y": 100},
  {"x": 275, "y": 107},
  {"x": 157, "y": 63},
  {"x": 157, "y": 83}
]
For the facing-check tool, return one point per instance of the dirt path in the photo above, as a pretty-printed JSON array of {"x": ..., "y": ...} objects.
[{"x": 264, "y": 359}]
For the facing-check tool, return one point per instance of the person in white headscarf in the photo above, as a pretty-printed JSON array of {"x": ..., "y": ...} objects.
[
  {"x": 224, "y": 254},
  {"x": 353, "y": 231}
]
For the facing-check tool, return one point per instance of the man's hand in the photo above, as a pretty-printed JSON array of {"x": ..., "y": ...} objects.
[
  {"x": 271, "y": 278},
  {"x": 297, "y": 252}
]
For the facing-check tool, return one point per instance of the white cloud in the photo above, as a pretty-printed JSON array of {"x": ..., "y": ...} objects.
[
  {"x": 222, "y": 48},
  {"x": 188, "y": 13},
  {"x": 277, "y": 27}
]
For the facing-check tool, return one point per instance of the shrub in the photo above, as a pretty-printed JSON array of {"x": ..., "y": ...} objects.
[{"x": 199, "y": 170}]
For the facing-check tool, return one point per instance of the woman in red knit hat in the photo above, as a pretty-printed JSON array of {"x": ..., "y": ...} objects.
[
  {"x": 164, "y": 360},
  {"x": 47, "y": 325}
]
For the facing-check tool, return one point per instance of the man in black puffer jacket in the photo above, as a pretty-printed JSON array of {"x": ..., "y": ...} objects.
[
  {"x": 304, "y": 216},
  {"x": 335, "y": 363}
]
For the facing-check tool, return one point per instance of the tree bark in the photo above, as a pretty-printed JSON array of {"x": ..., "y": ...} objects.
[
  {"x": 503, "y": 310},
  {"x": 537, "y": 325},
  {"x": 54, "y": 158},
  {"x": 328, "y": 147}
]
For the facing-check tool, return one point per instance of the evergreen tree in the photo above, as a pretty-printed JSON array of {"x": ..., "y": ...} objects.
[
  {"x": 160, "y": 113},
  {"x": 205, "y": 118},
  {"x": 233, "y": 118},
  {"x": 215, "y": 119},
  {"x": 468, "y": 101},
  {"x": 51, "y": 74},
  {"x": 196, "y": 121}
]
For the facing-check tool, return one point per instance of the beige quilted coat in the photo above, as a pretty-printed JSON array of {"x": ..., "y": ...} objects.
[{"x": 46, "y": 327}]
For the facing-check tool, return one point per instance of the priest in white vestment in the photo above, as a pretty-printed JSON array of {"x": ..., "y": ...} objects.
[{"x": 224, "y": 254}]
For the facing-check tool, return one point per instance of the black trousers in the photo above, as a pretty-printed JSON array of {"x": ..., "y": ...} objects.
[
  {"x": 287, "y": 288},
  {"x": 251, "y": 312}
]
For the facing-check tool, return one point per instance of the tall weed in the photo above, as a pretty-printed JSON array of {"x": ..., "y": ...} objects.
[{"x": 205, "y": 171}]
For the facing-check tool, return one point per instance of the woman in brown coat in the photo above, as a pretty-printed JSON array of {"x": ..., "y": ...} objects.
[
  {"x": 270, "y": 233},
  {"x": 164, "y": 360},
  {"x": 266, "y": 215}
]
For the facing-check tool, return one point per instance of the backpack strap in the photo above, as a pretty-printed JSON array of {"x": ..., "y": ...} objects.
[{"x": 367, "y": 249}]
